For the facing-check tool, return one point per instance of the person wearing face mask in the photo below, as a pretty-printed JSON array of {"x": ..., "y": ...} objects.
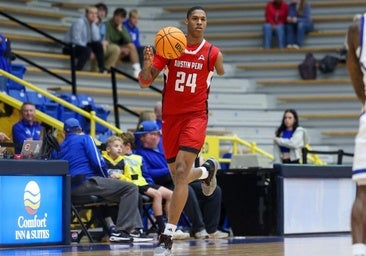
[
  {"x": 299, "y": 23},
  {"x": 289, "y": 139}
]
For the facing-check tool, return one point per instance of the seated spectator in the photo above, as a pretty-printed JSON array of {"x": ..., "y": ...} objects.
[
  {"x": 147, "y": 187},
  {"x": 203, "y": 226},
  {"x": 299, "y": 23},
  {"x": 27, "y": 128},
  {"x": 131, "y": 25},
  {"x": 4, "y": 59},
  {"x": 117, "y": 34},
  {"x": 84, "y": 34},
  {"x": 275, "y": 15},
  {"x": 89, "y": 177},
  {"x": 111, "y": 51},
  {"x": 289, "y": 139}
]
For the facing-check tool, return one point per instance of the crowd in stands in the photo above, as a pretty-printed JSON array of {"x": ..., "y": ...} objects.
[
  {"x": 289, "y": 23},
  {"x": 106, "y": 42}
]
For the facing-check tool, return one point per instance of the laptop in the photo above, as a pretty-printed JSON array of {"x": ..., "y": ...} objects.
[{"x": 31, "y": 149}]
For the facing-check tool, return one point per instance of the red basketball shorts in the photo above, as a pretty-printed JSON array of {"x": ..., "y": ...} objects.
[{"x": 183, "y": 132}]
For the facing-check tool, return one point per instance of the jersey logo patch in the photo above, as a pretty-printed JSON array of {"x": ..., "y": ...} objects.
[{"x": 201, "y": 57}]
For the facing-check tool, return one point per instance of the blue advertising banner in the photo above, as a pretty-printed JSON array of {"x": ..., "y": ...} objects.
[{"x": 30, "y": 209}]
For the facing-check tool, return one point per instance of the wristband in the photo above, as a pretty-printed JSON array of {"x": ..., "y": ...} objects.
[{"x": 144, "y": 81}]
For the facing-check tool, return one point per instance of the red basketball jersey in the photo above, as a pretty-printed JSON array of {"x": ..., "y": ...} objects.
[{"x": 187, "y": 79}]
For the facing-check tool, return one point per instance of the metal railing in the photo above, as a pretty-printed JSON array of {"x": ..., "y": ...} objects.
[
  {"x": 50, "y": 120},
  {"x": 116, "y": 105},
  {"x": 71, "y": 82}
]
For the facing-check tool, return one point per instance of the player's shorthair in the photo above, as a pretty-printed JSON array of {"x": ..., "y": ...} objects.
[{"x": 190, "y": 10}]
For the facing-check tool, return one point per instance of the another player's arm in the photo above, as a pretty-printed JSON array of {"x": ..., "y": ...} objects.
[
  {"x": 353, "y": 63},
  {"x": 219, "y": 64},
  {"x": 148, "y": 72}
]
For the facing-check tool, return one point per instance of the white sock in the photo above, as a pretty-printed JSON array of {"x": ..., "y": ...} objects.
[
  {"x": 358, "y": 249},
  {"x": 136, "y": 66},
  {"x": 204, "y": 174},
  {"x": 170, "y": 229},
  {"x": 136, "y": 69}
]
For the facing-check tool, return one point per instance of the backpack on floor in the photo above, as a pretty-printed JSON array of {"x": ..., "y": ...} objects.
[
  {"x": 328, "y": 63},
  {"x": 307, "y": 68}
]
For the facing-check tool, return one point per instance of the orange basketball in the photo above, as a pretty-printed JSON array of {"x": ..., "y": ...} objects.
[{"x": 170, "y": 42}]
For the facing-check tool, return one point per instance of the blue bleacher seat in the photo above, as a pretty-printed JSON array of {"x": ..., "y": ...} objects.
[
  {"x": 17, "y": 70},
  {"x": 51, "y": 108},
  {"x": 18, "y": 94},
  {"x": 103, "y": 113},
  {"x": 65, "y": 112},
  {"x": 85, "y": 100},
  {"x": 37, "y": 99}
]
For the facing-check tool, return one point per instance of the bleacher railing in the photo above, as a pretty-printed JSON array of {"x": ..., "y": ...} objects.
[
  {"x": 94, "y": 119},
  {"x": 213, "y": 143},
  {"x": 71, "y": 46},
  {"x": 116, "y": 105}
]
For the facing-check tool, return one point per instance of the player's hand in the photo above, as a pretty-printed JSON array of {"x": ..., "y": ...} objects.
[{"x": 148, "y": 54}]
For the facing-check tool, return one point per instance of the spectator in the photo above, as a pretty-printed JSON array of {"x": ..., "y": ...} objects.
[
  {"x": 4, "y": 52},
  {"x": 131, "y": 25},
  {"x": 356, "y": 63},
  {"x": 275, "y": 15},
  {"x": 27, "y": 128},
  {"x": 147, "y": 187},
  {"x": 289, "y": 139},
  {"x": 89, "y": 177},
  {"x": 299, "y": 23},
  {"x": 205, "y": 222},
  {"x": 111, "y": 51},
  {"x": 5, "y": 60},
  {"x": 84, "y": 34},
  {"x": 117, "y": 34}
]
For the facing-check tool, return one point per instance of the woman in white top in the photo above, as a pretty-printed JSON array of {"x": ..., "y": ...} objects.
[{"x": 289, "y": 139}]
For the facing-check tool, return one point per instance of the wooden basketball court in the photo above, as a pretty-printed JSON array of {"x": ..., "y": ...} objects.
[{"x": 339, "y": 245}]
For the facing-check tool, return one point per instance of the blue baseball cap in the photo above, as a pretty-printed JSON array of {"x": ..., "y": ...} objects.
[
  {"x": 146, "y": 127},
  {"x": 71, "y": 125}
]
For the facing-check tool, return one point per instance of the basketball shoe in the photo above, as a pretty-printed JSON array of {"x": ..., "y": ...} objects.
[
  {"x": 164, "y": 246},
  {"x": 209, "y": 184},
  {"x": 120, "y": 237},
  {"x": 139, "y": 236}
]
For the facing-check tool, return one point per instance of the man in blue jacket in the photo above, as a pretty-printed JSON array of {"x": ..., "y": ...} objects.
[{"x": 89, "y": 177}]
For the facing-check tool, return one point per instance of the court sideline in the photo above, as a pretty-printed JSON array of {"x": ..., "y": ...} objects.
[{"x": 331, "y": 245}]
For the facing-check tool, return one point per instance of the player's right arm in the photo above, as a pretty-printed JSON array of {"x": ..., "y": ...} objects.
[
  {"x": 353, "y": 63},
  {"x": 148, "y": 72}
]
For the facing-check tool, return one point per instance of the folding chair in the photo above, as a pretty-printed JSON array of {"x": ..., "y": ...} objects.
[
  {"x": 93, "y": 203},
  {"x": 147, "y": 215},
  {"x": 148, "y": 219}
]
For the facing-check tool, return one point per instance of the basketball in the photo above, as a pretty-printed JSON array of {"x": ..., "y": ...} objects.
[{"x": 170, "y": 42}]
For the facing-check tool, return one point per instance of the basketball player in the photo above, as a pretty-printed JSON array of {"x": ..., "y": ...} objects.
[
  {"x": 185, "y": 114},
  {"x": 356, "y": 64}
]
